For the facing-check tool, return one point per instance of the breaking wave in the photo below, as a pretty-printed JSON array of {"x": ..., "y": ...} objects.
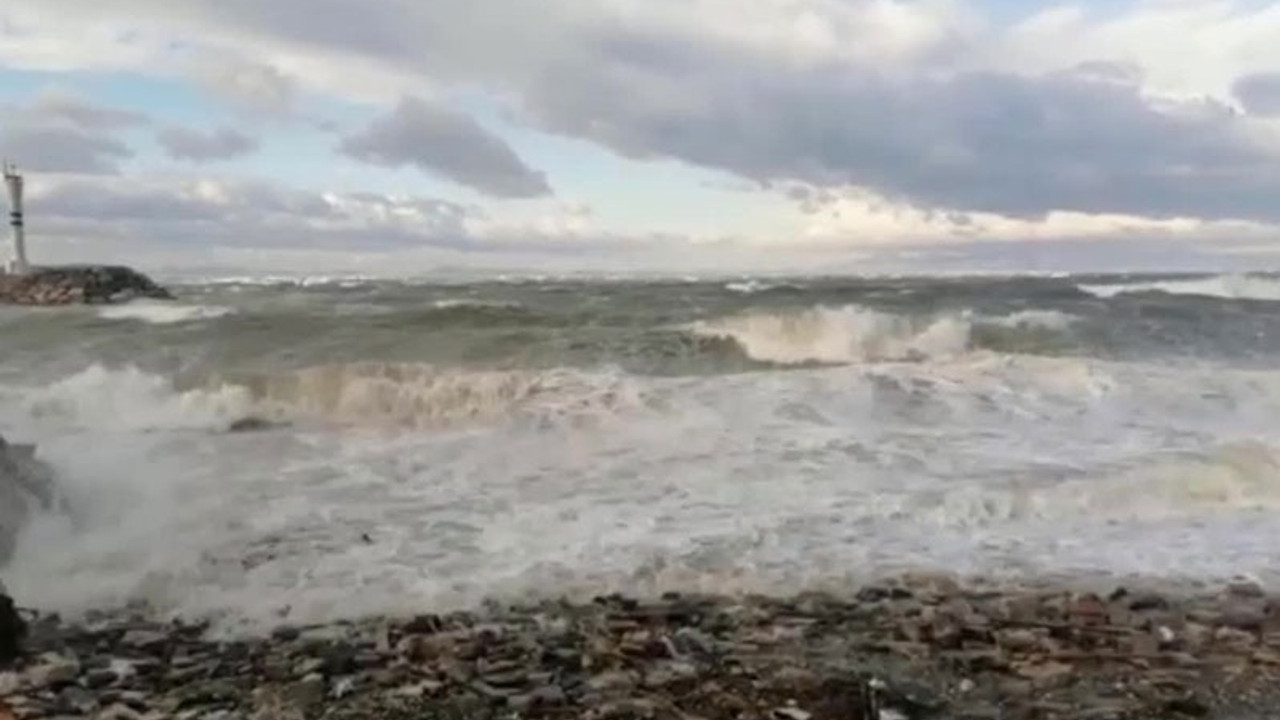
[
  {"x": 1230, "y": 287},
  {"x": 372, "y": 394},
  {"x": 474, "y": 303},
  {"x": 751, "y": 287},
  {"x": 852, "y": 334},
  {"x": 1039, "y": 319},
  {"x": 837, "y": 335},
  {"x": 159, "y": 313}
]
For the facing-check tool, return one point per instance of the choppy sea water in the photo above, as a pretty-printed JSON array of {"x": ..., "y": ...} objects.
[{"x": 445, "y": 442}]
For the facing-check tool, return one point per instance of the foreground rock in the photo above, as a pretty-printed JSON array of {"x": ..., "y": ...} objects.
[
  {"x": 913, "y": 650},
  {"x": 13, "y": 631},
  {"x": 73, "y": 285},
  {"x": 26, "y": 485}
]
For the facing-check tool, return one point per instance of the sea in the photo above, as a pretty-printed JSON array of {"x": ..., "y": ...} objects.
[{"x": 434, "y": 444}]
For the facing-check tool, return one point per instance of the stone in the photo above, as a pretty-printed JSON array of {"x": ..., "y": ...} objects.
[
  {"x": 148, "y": 640},
  {"x": 53, "y": 670},
  {"x": 1043, "y": 673},
  {"x": 1243, "y": 614},
  {"x": 1246, "y": 589},
  {"x": 249, "y": 424},
  {"x": 98, "y": 679},
  {"x": 663, "y": 674},
  {"x": 77, "y": 700},
  {"x": 119, "y": 712},
  {"x": 1088, "y": 610},
  {"x": 691, "y": 641},
  {"x": 309, "y": 692},
  {"x": 343, "y": 686},
  {"x": 1018, "y": 639},
  {"x": 27, "y": 485},
  {"x": 613, "y": 682},
  {"x": 13, "y": 629},
  {"x": 1144, "y": 602}
]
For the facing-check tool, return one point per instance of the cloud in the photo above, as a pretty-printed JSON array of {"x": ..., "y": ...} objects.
[
  {"x": 254, "y": 213},
  {"x": 257, "y": 89},
  {"x": 196, "y": 146},
  {"x": 58, "y": 132},
  {"x": 1259, "y": 93},
  {"x": 922, "y": 102},
  {"x": 1067, "y": 118},
  {"x": 67, "y": 108},
  {"x": 67, "y": 150},
  {"x": 440, "y": 141}
]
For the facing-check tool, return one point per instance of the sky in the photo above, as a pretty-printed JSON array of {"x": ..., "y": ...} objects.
[{"x": 403, "y": 137}]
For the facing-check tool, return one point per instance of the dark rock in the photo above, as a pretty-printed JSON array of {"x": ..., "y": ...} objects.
[
  {"x": 147, "y": 640},
  {"x": 26, "y": 486},
  {"x": 13, "y": 631},
  {"x": 98, "y": 679},
  {"x": 1190, "y": 706},
  {"x": 250, "y": 424},
  {"x": 1147, "y": 601},
  {"x": 308, "y": 692},
  {"x": 77, "y": 700}
]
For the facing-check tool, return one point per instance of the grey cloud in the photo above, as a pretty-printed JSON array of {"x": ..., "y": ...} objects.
[
  {"x": 1021, "y": 146},
  {"x": 75, "y": 111},
  {"x": 55, "y": 149},
  {"x": 438, "y": 140},
  {"x": 220, "y": 144},
  {"x": 1084, "y": 140},
  {"x": 1259, "y": 93},
  {"x": 59, "y": 133}
]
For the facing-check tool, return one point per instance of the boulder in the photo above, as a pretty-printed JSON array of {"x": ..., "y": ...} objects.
[
  {"x": 26, "y": 485},
  {"x": 13, "y": 630}
]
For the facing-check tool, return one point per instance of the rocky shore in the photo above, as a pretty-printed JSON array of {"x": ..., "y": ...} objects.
[
  {"x": 71, "y": 285},
  {"x": 921, "y": 647}
]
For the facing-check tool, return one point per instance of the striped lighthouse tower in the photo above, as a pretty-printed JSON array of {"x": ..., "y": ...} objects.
[{"x": 13, "y": 182}]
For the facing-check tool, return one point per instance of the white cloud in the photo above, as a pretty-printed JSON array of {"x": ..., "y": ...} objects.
[{"x": 255, "y": 88}]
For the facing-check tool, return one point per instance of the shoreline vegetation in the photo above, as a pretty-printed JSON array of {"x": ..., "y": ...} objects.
[{"x": 920, "y": 646}]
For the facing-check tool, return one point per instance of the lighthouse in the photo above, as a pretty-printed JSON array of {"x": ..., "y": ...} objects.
[{"x": 17, "y": 264}]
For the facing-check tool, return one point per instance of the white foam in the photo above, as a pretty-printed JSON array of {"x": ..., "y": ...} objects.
[
  {"x": 162, "y": 313},
  {"x": 983, "y": 463},
  {"x": 753, "y": 286},
  {"x": 452, "y": 303},
  {"x": 1045, "y": 319},
  {"x": 1232, "y": 287},
  {"x": 847, "y": 334}
]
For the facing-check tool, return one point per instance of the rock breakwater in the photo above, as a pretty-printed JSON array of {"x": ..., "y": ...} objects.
[
  {"x": 909, "y": 649},
  {"x": 72, "y": 285}
]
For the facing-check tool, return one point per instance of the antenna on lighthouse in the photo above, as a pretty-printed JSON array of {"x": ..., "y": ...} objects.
[{"x": 13, "y": 182}]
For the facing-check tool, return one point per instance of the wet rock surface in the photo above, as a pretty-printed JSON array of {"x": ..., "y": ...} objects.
[
  {"x": 26, "y": 486},
  {"x": 73, "y": 285},
  {"x": 887, "y": 652}
]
